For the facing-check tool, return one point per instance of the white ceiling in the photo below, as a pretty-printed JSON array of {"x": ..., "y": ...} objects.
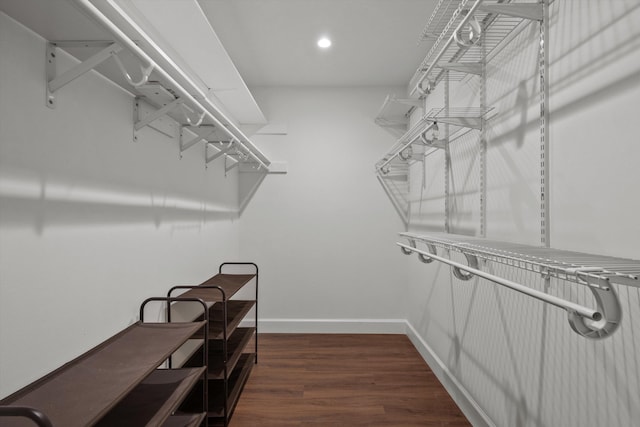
[{"x": 273, "y": 42}]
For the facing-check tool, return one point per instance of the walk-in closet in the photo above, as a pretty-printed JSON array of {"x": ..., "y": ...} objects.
[{"x": 276, "y": 213}]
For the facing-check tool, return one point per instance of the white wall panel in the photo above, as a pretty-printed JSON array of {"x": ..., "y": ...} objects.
[{"x": 323, "y": 233}]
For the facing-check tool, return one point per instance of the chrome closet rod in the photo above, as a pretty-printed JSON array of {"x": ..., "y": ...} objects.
[
  {"x": 122, "y": 38},
  {"x": 558, "y": 302}
]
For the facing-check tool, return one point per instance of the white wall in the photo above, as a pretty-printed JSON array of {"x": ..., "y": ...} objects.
[
  {"x": 322, "y": 233},
  {"x": 91, "y": 223},
  {"x": 516, "y": 357}
]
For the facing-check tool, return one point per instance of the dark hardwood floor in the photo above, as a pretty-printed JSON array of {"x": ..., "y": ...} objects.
[{"x": 343, "y": 380}]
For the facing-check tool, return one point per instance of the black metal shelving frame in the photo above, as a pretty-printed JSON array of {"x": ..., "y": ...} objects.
[
  {"x": 235, "y": 368},
  {"x": 118, "y": 382}
]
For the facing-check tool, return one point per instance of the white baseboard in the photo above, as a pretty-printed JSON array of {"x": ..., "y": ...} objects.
[
  {"x": 333, "y": 326},
  {"x": 467, "y": 404}
]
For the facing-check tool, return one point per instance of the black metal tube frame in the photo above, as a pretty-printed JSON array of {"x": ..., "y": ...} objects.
[
  {"x": 257, "y": 275},
  {"x": 33, "y": 414},
  {"x": 205, "y": 346},
  {"x": 224, "y": 338}
]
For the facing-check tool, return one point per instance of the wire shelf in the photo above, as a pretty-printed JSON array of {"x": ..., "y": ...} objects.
[
  {"x": 496, "y": 27},
  {"x": 441, "y": 112},
  {"x": 577, "y": 267},
  {"x": 461, "y": 117},
  {"x": 439, "y": 18},
  {"x": 394, "y": 113}
]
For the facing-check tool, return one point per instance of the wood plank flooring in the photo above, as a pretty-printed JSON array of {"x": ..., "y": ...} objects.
[{"x": 343, "y": 380}]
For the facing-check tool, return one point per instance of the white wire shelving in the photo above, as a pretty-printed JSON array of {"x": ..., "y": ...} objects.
[
  {"x": 424, "y": 133},
  {"x": 466, "y": 35},
  {"x": 596, "y": 272},
  {"x": 161, "y": 87},
  {"x": 393, "y": 170},
  {"x": 449, "y": 52},
  {"x": 418, "y": 142},
  {"x": 395, "y": 112},
  {"x": 439, "y": 19}
]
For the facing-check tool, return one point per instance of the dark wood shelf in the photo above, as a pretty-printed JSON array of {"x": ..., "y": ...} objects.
[
  {"x": 235, "y": 346},
  {"x": 236, "y": 311},
  {"x": 185, "y": 420},
  {"x": 230, "y": 283},
  {"x": 153, "y": 400},
  {"x": 237, "y": 380},
  {"x": 84, "y": 390}
]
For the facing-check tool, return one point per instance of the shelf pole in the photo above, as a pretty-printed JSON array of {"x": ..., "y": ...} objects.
[
  {"x": 447, "y": 157},
  {"x": 483, "y": 140},
  {"x": 545, "y": 222}
]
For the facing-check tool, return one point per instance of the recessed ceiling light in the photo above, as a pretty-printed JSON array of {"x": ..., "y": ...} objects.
[{"x": 324, "y": 42}]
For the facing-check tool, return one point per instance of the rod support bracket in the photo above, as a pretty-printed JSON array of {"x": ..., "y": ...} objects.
[
  {"x": 432, "y": 250},
  {"x": 56, "y": 81},
  {"x": 406, "y": 251},
  {"x": 472, "y": 261},
  {"x": 606, "y": 320}
]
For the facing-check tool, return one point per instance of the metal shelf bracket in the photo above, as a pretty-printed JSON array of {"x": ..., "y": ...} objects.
[
  {"x": 220, "y": 151},
  {"x": 394, "y": 112},
  {"x": 228, "y": 168},
  {"x": 140, "y": 123},
  {"x": 467, "y": 122},
  {"x": 386, "y": 123},
  {"x": 474, "y": 68},
  {"x": 532, "y": 11},
  {"x": 202, "y": 133},
  {"x": 55, "y": 82},
  {"x": 411, "y": 102}
]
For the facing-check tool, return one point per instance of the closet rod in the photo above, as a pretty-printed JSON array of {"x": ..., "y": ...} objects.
[
  {"x": 558, "y": 302},
  {"x": 121, "y": 37}
]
